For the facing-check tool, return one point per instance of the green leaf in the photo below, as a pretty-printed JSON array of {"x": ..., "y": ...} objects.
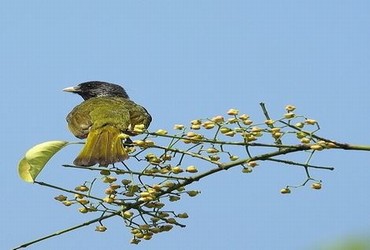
[{"x": 36, "y": 158}]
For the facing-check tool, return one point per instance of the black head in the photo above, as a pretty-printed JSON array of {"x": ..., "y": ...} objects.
[{"x": 92, "y": 89}]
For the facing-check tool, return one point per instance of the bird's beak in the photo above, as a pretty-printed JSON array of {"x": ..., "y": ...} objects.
[{"x": 71, "y": 89}]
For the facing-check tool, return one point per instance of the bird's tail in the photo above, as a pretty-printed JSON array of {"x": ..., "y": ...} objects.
[{"x": 103, "y": 146}]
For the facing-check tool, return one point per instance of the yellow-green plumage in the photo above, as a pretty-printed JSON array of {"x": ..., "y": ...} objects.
[{"x": 102, "y": 120}]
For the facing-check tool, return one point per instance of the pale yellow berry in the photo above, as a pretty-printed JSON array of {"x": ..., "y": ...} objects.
[
  {"x": 67, "y": 203},
  {"x": 183, "y": 215},
  {"x": 109, "y": 179},
  {"x": 289, "y": 115},
  {"x": 299, "y": 125},
  {"x": 192, "y": 193},
  {"x": 275, "y": 130},
  {"x": 177, "y": 170},
  {"x": 100, "y": 228},
  {"x": 139, "y": 128},
  {"x": 290, "y": 108},
  {"x": 174, "y": 198},
  {"x": 218, "y": 119},
  {"x": 196, "y": 122},
  {"x": 82, "y": 188},
  {"x": 212, "y": 150},
  {"x": 191, "y": 134},
  {"x": 127, "y": 214},
  {"x": 139, "y": 143},
  {"x": 79, "y": 196},
  {"x": 178, "y": 127},
  {"x": 195, "y": 126},
  {"x": 232, "y": 120},
  {"x": 126, "y": 182},
  {"x": 316, "y": 147},
  {"x": 60, "y": 198},
  {"x": 244, "y": 117},
  {"x": 166, "y": 228},
  {"x": 305, "y": 140},
  {"x": 247, "y": 170},
  {"x": 277, "y": 135},
  {"x": 310, "y": 121},
  {"x": 171, "y": 220},
  {"x": 257, "y": 129},
  {"x": 247, "y": 122},
  {"x": 233, "y": 112},
  {"x": 224, "y": 130},
  {"x": 108, "y": 199},
  {"x": 161, "y": 132},
  {"x": 191, "y": 169},
  {"x": 83, "y": 210},
  {"x": 331, "y": 145},
  {"x": 233, "y": 157},
  {"x": 147, "y": 237},
  {"x": 316, "y": 185},
  {"x": 269, "y": 122},
  {"x": 214, "y": 157},
  {"x": 83, "y": 201},
  {"x": 149, "y": 143},
  {"x": 230, "y": 133},
  {"x": 208, "y": 125},
  {"x": 285, "y": 191},
  {"x": 252, "y": 164}
]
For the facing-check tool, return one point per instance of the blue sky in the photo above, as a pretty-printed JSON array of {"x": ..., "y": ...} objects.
[{"x": 185, "y": 60}]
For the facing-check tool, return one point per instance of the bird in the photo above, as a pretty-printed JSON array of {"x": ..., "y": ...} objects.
[{"x": 104, "y": 118}]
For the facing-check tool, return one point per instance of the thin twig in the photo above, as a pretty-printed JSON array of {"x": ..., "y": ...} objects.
[{"x": 299, "y": 164}]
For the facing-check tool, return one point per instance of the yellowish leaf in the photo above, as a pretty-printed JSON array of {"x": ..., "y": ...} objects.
[{"x": 36, "y": 158}]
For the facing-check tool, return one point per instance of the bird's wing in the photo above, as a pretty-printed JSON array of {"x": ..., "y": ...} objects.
[{"x": 79, "y": 121}]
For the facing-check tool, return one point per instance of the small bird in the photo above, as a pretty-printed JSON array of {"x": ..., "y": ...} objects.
[{"x": 103, "y": 118}]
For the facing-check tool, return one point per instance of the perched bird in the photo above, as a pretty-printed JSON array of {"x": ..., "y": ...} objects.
[{"x": 102, "y": 118}]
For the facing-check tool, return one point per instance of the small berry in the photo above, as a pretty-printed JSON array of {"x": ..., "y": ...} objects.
[
  {"x": 191, "y": 169},
  {"x": 161, "y": 132},
  {"x": 316, "y": 147},
  {"x": 178, "y": 127},
  {"x": 269, "y": 122},
  {"x": 285, "y": 191},
  {"x": 310, "y": 121},
  {"x": 289, "y": 115},
  {"x": 183, "y": 215},
  {"x": 100, "y": 228},
  {"x": 290, "y": 108},
  {"x": 60, "y": 198},
  {"x": 233, "y": 112},
  {"x": 218, "y": 119},
  {"x": 316, "y": 185}
]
